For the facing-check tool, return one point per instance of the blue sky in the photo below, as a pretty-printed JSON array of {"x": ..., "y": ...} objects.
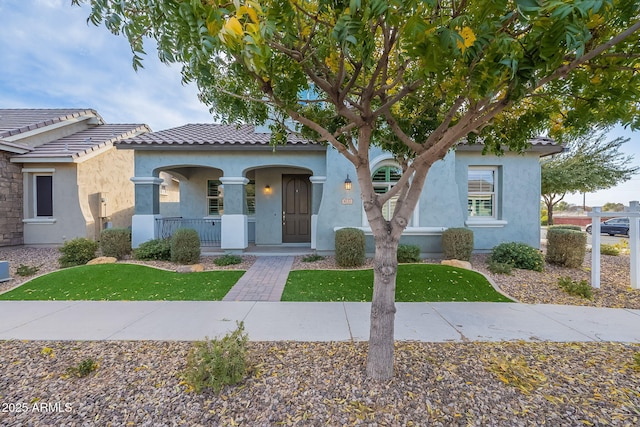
[{"x": 51, "y": 58}]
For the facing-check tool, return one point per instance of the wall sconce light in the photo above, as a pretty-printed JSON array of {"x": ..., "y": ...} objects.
[
  {"x": 347, "y": 183},
  {"x": 267, "y": 189}
]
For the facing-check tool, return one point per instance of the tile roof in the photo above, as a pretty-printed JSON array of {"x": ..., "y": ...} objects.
[
  {"x": 84, "y": 142},
  {"x": 19, "y": 120},
  {"x": 209, "y": 134}
]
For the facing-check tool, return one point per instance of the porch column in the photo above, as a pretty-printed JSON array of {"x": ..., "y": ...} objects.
[
  {"x": 317, "y": 189},
  {"x": 147, "y": 209},
  {"x": 235, "y": 228}
]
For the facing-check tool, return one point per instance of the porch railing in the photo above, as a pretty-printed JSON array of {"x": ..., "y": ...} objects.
[{"x": 208, "y": 229}]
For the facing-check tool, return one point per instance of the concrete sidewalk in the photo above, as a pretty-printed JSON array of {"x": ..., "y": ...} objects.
[{"x": 283, "y": 321}]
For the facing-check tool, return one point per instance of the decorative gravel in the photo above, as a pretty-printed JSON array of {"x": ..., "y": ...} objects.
[
  {"x": 291, "y": 383},
  {"x": 315, "y": 384}
]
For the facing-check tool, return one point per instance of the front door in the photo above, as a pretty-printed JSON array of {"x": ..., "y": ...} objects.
[{"x": 296, "y": 209}]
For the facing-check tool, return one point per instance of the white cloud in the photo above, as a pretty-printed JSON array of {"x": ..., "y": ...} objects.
[{"x": 55, "y": 59}]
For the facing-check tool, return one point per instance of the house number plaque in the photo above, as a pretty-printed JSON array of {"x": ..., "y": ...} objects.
[{"x": 347, "y": 201}]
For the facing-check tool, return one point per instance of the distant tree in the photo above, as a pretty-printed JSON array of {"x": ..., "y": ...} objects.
[
  {"x": 412, "y": 76},
  {"x": 613, "y": 207},
  {"x": 590, "y": 164},
  {"x": 562, "y": 206}
]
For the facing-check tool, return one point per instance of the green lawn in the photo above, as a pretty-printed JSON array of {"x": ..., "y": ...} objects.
[
  {"x": 126, "y": 282},
  {"x": 415, "y": 283}
]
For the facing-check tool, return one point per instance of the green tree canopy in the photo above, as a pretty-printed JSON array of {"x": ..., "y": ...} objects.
[
  {"x": 414, "y": 76},
  {"x": 590, "y": 164}
]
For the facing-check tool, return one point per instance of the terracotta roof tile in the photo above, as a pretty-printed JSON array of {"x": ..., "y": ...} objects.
[
  {"x": 208, "y": 134},
  {"x": 19, "y": 120}
]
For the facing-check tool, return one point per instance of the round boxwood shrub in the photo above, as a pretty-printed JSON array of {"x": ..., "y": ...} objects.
[
  {"x": 518, "y": 255},
  {"x": 185, "y": 246},
  {"x": 566, "y": 247},
  {"x": 156, "y": 249},
  {"x": 408, "y": 253},
  {"x": 77, "y": 252},
  {"x": 350, "y": 249},
  {"x": 457, "y": 243},
  {"x": 115, "y": 242}
]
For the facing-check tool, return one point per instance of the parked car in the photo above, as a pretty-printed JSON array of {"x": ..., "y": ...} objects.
[{"x": 613, "y": 226}]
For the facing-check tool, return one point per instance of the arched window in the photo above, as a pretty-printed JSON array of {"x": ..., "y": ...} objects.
[{"x": 384, "y": 178}]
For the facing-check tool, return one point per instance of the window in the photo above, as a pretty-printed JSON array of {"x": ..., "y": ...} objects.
[
  {"x": 250, "y": 195},
  {"x": 43, "y": 195},
  {"x": 482, "y": 184},
  {"x": 384, "y": 178},
  {"x": 215, "y": 197}
]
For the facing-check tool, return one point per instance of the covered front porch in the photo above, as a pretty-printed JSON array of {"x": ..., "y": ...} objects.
[{"x": 263, "y": 208}]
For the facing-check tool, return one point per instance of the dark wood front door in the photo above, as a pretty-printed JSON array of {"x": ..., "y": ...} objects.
[{"x": 296, "y": 209}]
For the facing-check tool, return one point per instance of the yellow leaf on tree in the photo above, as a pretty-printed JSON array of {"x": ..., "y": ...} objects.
[
  {"x": 468, "y": 38},
  {"x": 233, "y": 25}
]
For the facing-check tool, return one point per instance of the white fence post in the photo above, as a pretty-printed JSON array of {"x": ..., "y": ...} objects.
[
  {"x": 634, "y": 243},
  {"x": 595, "y": 247}
]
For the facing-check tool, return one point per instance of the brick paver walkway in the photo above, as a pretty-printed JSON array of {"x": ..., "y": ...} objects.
[{"x": 264, "y": 281}]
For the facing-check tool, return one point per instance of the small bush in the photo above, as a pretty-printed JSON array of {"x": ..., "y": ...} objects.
[
  {"x": 26, "y": 270},
  {"x": 83, "y": 368},
  {"x": 566, "y": 227},
  {"x": 350, "y": 247},
  {"x": 213, "y": 364},
  {"x": 408, "y": 253},
  {"x": 227, "y": 259},
  {"x": 518, "y": 255},
  {"x": 115, "y": 242},
  {"x": 572, "y": 287},
  {"x": 636, "y": 361},
  {"x": 566, "y": 247},
  {"x": 77, "y": 252},
  {"x": 185, "y": 246},
  {"x": 500, "y": 268},
  {"x": 312, "y": 258},
  {"x": 156, "y": 249},
  {"x": 609, "y": 250},
  {"x": 457, "y": 243}
]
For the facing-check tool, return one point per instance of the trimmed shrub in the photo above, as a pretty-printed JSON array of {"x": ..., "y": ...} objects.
[
  {"x": 566, "y": 247},
  {"x": 77, "y": 252},
  {"x": 227, "y": 259},
  {"x": 518, "y": 255},
  {"x": 350, "y": 249},
  {"x": 213, "y": 364},
  {"x": 609, "y": 250},
  {"x": 500, "y": 268},
  {"x": 156, "y": 249},
  {"x": 27, "y": 270},
  {"x": 115, "y": 242},
  {"x": 572, "y": 287},
  {"x": 185, "y": 246},
  {"x": 408, "y": 253},
  {"x": 565, "y": 227},
  {"x": 457, "y": 243}
]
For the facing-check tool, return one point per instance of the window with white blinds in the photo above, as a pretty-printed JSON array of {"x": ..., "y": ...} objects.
[
  {"x": 482, "y": 187},
  {"x": 384, "y": 178}
]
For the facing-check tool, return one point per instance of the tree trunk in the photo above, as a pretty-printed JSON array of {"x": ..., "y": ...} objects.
[
  {"x": 550, "y": 213},
  {"x": 383, "y": 310}
]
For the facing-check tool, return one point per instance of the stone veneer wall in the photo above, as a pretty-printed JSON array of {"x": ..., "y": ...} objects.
[{"x": 11, "y": 228}]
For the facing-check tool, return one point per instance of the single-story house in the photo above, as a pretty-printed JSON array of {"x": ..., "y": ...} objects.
[
  {"x": 61, "y": 176},
  {"x": 238, "y": 190}
]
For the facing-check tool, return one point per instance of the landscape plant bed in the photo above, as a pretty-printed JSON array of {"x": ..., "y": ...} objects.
[
  {"x": 126, "y": 282},
  {"x": 415, "y": 283},
  {"x": 297, "y": 383}
]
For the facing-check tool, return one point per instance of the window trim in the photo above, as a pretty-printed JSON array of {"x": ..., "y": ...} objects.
[
  {"x": 493, "y": 193},
  {"x": 30, "y": 188},
  {"x": 380, "y": 162}
]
